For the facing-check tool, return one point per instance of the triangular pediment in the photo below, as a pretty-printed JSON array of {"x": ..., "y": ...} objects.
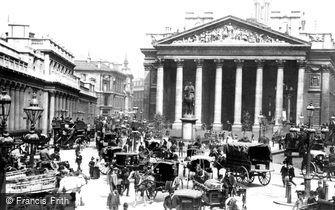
[{"x": 230, "y": 30}]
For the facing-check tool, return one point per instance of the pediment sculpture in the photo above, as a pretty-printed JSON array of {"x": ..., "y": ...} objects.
[{"x": 228, "y": 33}]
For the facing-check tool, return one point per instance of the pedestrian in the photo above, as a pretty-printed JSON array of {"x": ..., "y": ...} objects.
[
  {"x": 125, "y": 180},
  {"x": 300, "y": 201},
  {"x": 320, "y": 191},
  {"x": 125, "y": 147},
  {"x": 129, "y": 143},
  {"x": 111, "y": 180},
  {"x": 284, "y": 173},
  {"x": 91, "y": 165},
  {"x": 134, "y": 175},
  {"x": 181, "y": 148},
  {"x": 141, "y": 147},
  {"x": 79, "y": 161},
  {"x": 113, "y": 200},
  {"x": 312, "y": 198},
  {"x": 291, "y": 174}
]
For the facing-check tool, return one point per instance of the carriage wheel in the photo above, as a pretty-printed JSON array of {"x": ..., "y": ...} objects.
[
  {"x": 104, "y": 169},
  {"x": 251, "y": 178},
  {"x": 242, "y": 175},
  {"x": 313, "y": 170},
  {"x": 264, "y": 178}
]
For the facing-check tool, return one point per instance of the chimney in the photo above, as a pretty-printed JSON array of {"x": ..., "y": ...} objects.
[
  {"x": 88, "y": 57},
  {"x": 99, "y": 64}
]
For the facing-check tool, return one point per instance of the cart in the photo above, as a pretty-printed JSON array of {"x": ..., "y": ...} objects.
[
  {"x": 215, "y": 195},
  {"x": 248, "y": 160}
]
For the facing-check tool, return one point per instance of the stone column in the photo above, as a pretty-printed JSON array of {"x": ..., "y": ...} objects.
[
  {"x": 22, "y": 114},
  {"x": 52, "y": 107},
  {"x": 179, "y": 94},
  {"x": 14, "y": 103},
  {"x": 16, "y": 97},
  {"x": 64, "y": 104},
  {"x": 45, "y": 113},
  {"x": 279, "y": 93},
  {"x": 160, "y": 86},
  {"x": 56, "y": 104},
  {"x": 217, "y": 125},
  {"x": 258, "y": 95},
  {"x": 300, "y": 91},
  {"x": 70, "y": 107},
  {"x": 198, "y": 93},
  {"x": 238, "y": 97}
]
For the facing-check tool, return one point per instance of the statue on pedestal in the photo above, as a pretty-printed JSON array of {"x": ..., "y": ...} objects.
[{"x": 189, "y": 98}]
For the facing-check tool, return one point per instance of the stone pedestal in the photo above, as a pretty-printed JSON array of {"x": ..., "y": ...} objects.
[
  {"x": 237, "y": 128},
  {"x": 188, "y": 128}
]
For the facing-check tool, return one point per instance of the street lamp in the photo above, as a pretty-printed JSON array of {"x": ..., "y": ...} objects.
[
  {"x": 310, "y": 112},
  {"x": 6, "y": 142},
  {"x": 301, "y": 120},
  {"x": 260, "y": 120},
  {"x": 5, "y": 101},
  {"x": 33, "y": 113}
]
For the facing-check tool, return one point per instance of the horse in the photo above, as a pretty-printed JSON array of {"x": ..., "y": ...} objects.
[
  {"x": 235, "y": 203},
  {"x": 146, "y": 184},
  {"x": 189, "y": 102},
  {"x": 73, "y": 184}
]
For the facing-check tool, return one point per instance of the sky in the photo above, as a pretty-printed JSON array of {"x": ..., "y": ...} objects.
[{"x": 113, "y": 29}]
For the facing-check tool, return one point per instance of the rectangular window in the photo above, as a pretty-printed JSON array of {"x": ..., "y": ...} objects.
[
  {"x": 105, "y": 100},
  {"x": 314, "y": 81}
]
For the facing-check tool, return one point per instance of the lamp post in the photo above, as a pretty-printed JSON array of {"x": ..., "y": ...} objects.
[
  {"x": 301, "y": 120},
  {"x": 6, "y": 143},
  {"x": 33, "y": 113},
  {"x": 307, "y": 178}
]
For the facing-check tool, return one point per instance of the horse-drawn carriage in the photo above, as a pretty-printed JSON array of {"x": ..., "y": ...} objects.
[
  {"x": 295, "y": 141},
  {"x": 68, "y": 133},
  {"x": 165, "y": 178},
  {"x": 248, "y": 160}
]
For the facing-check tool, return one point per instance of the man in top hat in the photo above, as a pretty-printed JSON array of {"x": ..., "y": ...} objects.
[{"x": 91, "y": 166}]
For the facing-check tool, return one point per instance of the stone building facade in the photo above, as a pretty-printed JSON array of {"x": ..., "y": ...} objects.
[
  {"x": 240, "y": 67},
  {"x": 113, "y": 84},
  {"x": 138, "y": 97},
  {"x": 40, "y": 65}
]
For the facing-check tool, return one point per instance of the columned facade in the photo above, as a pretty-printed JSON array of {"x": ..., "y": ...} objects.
[{"x": 265, "y": 73}]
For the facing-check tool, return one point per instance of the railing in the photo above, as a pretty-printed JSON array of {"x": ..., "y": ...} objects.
[
  {"x": 68, "y": 80},
  {"x": 51, "y": 45}
]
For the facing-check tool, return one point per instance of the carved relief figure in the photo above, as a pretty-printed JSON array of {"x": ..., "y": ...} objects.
[{"x": 229, "y": 33}]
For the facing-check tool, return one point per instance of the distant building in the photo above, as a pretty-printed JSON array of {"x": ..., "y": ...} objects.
[
  {"x": 138, "y": 96},
  {"x": 29, "y": 64},
  {"x": 113, "y": 87}
]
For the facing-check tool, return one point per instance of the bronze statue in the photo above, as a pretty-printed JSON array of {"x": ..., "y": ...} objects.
[{"x": 189, "y": 98}]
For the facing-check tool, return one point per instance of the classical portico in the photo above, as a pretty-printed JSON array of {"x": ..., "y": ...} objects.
[{"x": 239, "y": 70}]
